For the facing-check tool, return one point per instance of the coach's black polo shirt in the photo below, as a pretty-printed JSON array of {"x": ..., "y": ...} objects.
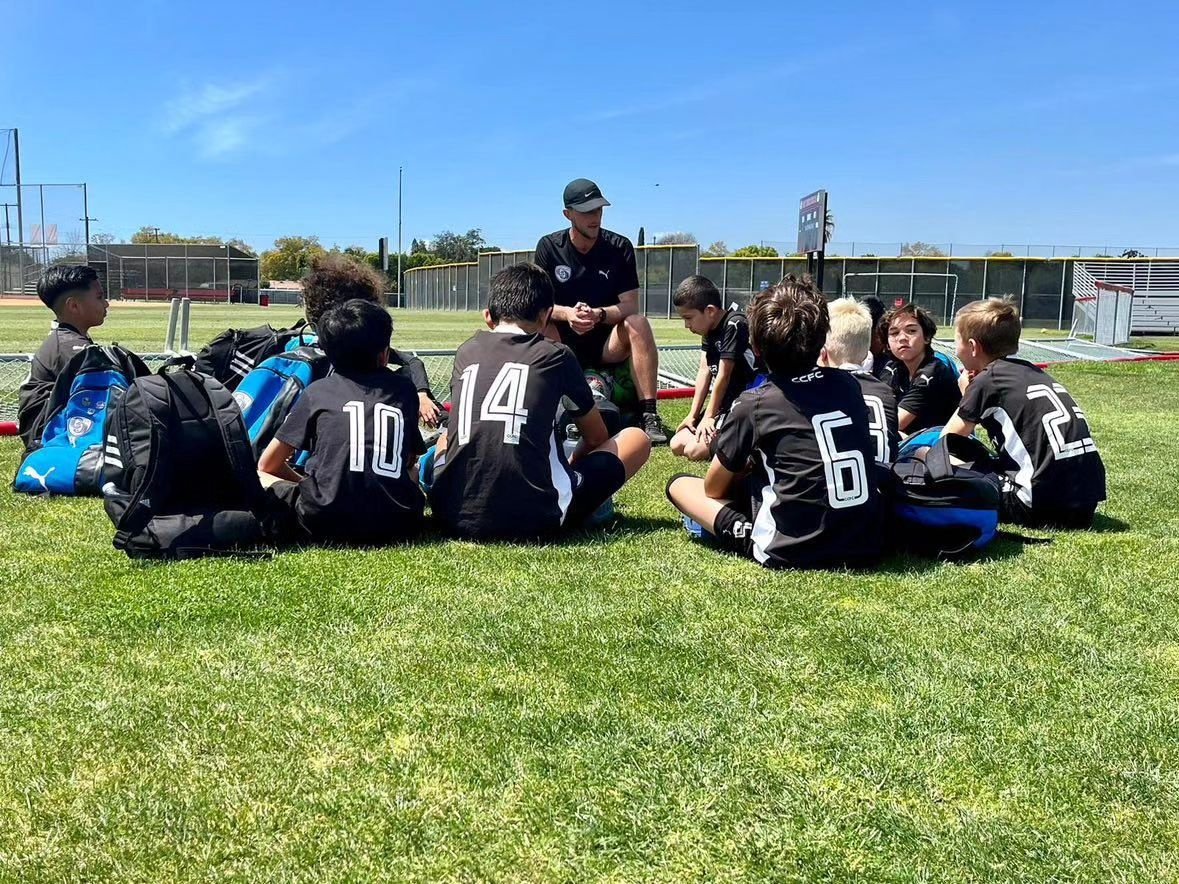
[{"x": 597, "y": 278}]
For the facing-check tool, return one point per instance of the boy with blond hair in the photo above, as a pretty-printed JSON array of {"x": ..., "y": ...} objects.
[
  {"x": 1048, "y": 470},
  {"x": 848, "y": 343}
]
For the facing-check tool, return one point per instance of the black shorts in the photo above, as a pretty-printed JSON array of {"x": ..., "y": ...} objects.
[
  {"x": 285, "y": 513},
  {"x": 596, "y": 478},
  {"x": 290, "y": 526},
  {"x": 1014, "y": 511},
  {"x": 588, "y": 347}
]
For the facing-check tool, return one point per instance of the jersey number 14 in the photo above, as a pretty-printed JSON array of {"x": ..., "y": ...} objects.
[{"x": 504, "y": 401}]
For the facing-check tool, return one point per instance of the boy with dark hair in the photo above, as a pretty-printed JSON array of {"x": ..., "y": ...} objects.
[
  {"x": 361, "y": 426},
  {"x": 334, "y": 280},
  {"x": 1048, "y": 472},
  {"x": 848, "y": 342},
  {"x": 810, "y": 500},
  {"x": 878, "y": 349},
  {"x": 727, "y": 364},
  {"x": 500, "y": 471},
  {"x": 74, "y": 294},
  {"x": 925, "y": 382}
]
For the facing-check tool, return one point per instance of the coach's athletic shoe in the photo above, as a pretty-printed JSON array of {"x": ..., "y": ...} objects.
[{"x": 654, "y": 428}]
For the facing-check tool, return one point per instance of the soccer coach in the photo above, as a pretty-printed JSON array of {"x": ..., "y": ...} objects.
[{"x": 596, "y": 288}]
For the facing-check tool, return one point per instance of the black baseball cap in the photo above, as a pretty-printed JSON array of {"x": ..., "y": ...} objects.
[{"x": 582, "y": 195}]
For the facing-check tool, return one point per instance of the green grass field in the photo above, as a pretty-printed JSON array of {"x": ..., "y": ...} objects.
[{"x": 623, "y": 706}]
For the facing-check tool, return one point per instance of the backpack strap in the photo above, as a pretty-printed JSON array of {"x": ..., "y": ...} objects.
[
  {"x": 136, "y": 516},
  {"x": 231, "y": 429},
  {"x": 939, "y": 462}
]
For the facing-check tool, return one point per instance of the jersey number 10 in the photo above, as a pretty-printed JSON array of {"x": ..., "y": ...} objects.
[{"x": 388, "y": 438}]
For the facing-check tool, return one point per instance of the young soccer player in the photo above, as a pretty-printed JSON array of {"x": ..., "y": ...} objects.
[
  {"x": 1049, "y": 471},
  {"x": 74, "y": 294},
  {"x": 361, "y": 426},
  {"x": 810, "y": 500},
  {"x": 334, "y": 280},
  {"x": 500, "y": 471},
  {"x": 925, "y": 383},
  {"x": 847, "y": 347},
  {"x": 727, "y": 364},
  {"x": 879, "y": 347}
]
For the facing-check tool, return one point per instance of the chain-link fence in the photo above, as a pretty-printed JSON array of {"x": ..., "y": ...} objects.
[
  {"x": 162, "y": 271},
  {"x": 858, "y": 249},
  {"x": 464, "y": 286}
]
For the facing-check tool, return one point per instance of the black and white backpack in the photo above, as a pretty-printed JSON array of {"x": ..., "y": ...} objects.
[
  {"x": 234, "y": 353},
  {"x": 179, "y": 479}
]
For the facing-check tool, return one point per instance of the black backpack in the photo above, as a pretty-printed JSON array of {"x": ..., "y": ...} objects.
[
  {"x": 940, "y": 508},
  {"x": 234, "y": 353},
  {"x": 179, "y": 474}
]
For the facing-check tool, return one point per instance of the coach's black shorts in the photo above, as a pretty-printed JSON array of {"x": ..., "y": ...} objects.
[
  {"x": 588, "y": 347},
  {"x": 596, "y": 478}
]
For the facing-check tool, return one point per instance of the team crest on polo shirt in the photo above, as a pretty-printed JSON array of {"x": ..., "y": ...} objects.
[{"x": 563, "y": 272}]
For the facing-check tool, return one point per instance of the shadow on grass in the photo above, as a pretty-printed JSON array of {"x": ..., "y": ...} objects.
[{"x": 1103, "y": 524}]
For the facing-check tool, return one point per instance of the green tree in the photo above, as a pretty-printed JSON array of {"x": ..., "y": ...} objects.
[
  {"x": 150, "y": 235},
  {"x": 717, "y": 250},
  {"x": 919, "y": 249},
  {"x": 828, "y": 227},
  {"x": 752, "y": 251},
  {"x": 455, "y": 247},
  {"x": 291, "y": 256},
  {"x": 678, "y": 238}
]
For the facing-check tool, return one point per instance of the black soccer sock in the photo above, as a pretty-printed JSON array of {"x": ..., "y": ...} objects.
[{"x": 648, "y": 406}]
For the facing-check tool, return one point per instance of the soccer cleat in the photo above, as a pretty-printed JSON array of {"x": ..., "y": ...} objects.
[
  {"x": 695, "y": 529},
  {"x": 603, "y": 515},
  {"x": 654, "y": 428}
]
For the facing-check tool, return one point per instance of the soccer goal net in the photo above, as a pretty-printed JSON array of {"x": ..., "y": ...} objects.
[{"x": 1103, "y": 311}]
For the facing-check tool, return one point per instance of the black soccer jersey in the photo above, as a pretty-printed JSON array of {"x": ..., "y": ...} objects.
[
  {"x": 882, "y": 415},
  {"x": 362, "y": 432},
  {"x": 730, "y": 340},
  {"x": 504, "y": 473},
  {"x": 63, "y": 344},
  {"x": 930, "y": 396},
  {"x": 1045, "y": 443},
  {"x": 598, "y": 277},
  {"x": 813, "y": 453}
]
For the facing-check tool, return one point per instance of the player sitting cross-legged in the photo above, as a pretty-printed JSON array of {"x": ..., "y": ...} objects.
[
  {"x": 499, "y": 470},
  {"x": 361, "y": 426},
  {"x": 803, "y": 438},
  {"x": 1048, "y": 471}
]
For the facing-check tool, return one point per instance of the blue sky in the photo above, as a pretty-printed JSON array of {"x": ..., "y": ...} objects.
[{"x": 980, "y": 123}]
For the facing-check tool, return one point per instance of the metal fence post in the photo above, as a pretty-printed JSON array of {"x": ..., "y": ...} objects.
[{"x": 1064, "y": 265}]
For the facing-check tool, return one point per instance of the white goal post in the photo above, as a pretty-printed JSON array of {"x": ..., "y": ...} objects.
[{"x": 1102, "y": 311}]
